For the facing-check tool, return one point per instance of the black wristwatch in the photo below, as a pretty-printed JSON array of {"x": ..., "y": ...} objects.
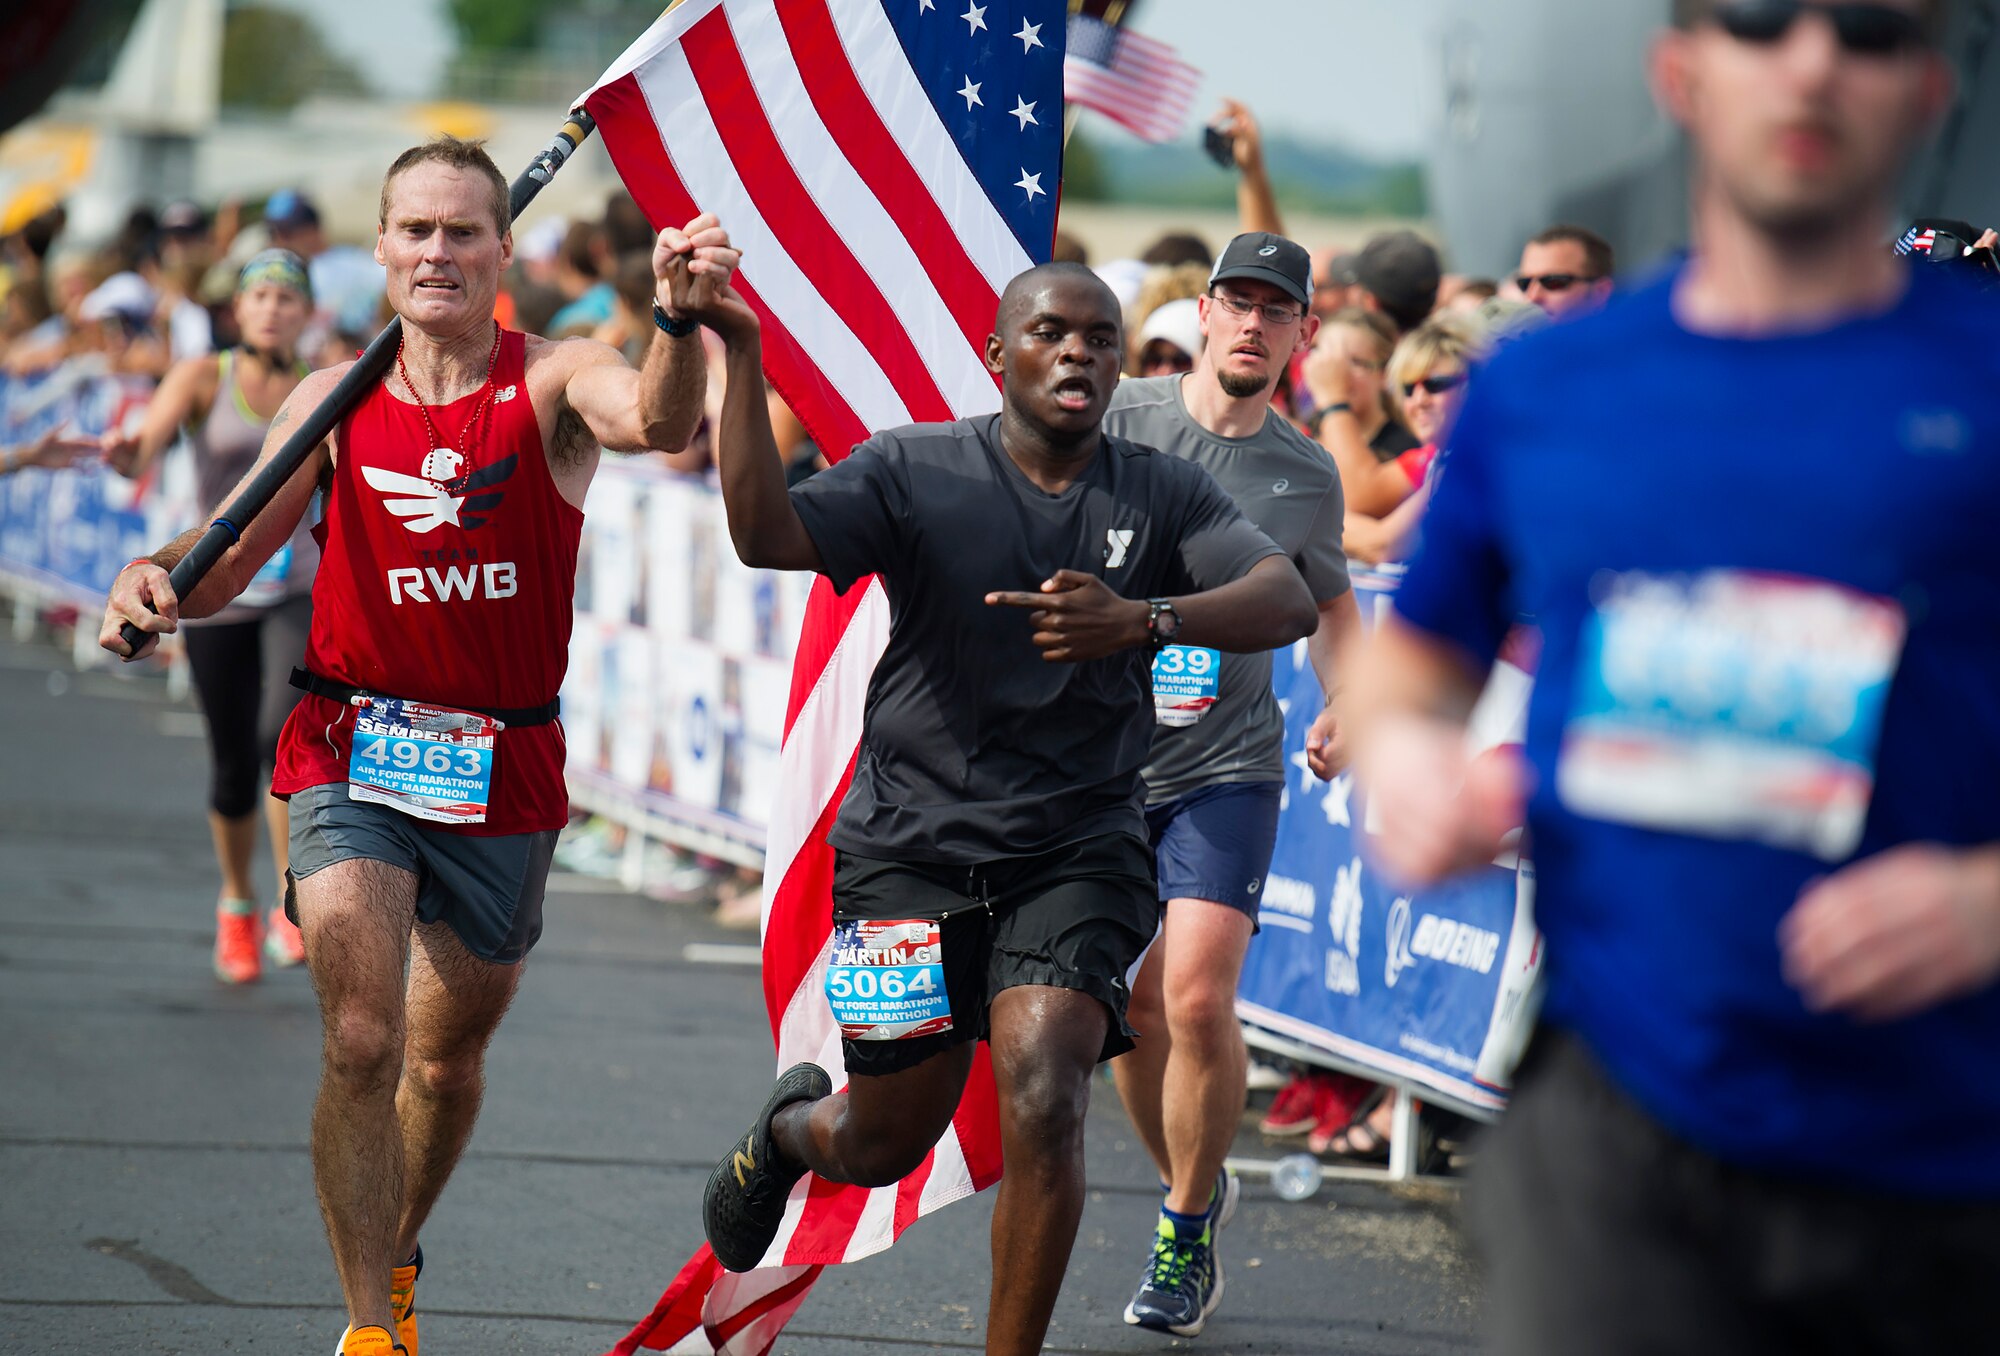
[
  {"x": 1163, "y": 622},
  {"x": 1318, "y": 416},
  {"x": 672, "y": 328}
]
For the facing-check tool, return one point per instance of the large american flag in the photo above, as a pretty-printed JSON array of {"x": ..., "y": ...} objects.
[
  {"x": 886, "y": 166},
  {"x": 1138, "y": 82}
]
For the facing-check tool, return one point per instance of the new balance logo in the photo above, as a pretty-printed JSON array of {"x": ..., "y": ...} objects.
[
  {"x": 1117, "y": 541},
  {"x": 426, "y": 504},
  {"x": 745, "y": 1161}
]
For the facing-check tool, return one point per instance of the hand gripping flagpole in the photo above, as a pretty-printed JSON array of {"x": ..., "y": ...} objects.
[{"x": 367, "y": 370}]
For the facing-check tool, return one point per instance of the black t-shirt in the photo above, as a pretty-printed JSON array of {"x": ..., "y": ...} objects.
[
  {"x": 1391, "y": 441},
  {"x": 973, "y": 747}
]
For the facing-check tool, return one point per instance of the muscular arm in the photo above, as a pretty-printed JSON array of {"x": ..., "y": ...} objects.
[
  {"x": 655, "y": 409},
  {"x": 659, "y": 407},
  {"x": 142, "y": 593}
]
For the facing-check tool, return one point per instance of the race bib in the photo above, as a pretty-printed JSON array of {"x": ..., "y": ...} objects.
[
  {"x": 1732, "y": 705},
  {"x": 432, "y": 762},
  {"x": 1185, "y": 681},
  {"x": 267, "y": 587},
  {"x": 885, "y": 980}
]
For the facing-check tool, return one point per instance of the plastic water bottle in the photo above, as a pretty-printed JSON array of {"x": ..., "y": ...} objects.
[{"x": 1295, "y": 1177}]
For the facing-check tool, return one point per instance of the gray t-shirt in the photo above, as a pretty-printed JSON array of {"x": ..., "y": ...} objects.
[
  {"x": 1289, "y": 487},
  {"x": 972, "y": 746}
]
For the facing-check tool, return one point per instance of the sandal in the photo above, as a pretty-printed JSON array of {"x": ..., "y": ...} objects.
[{"x": 1358, "y": 1141}]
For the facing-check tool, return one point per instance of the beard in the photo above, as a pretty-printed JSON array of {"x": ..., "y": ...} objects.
[{"x": 1241, "y": 385}]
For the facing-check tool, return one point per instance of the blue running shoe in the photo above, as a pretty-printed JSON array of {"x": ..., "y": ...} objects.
[{"x": 1182, "y": 1284}]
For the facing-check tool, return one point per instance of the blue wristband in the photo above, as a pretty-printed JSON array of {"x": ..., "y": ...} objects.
[{"x": 672, "y": 328}]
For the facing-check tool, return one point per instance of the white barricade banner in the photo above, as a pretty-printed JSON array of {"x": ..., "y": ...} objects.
[{"x": 681, "y": 659}]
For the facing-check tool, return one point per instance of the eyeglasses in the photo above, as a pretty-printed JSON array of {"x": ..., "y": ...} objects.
[
  {"x": 1435, "y": 385},
  {"x": 1273, "y": 313},
  {"x": 1863, "y": 30},
  {"x": 1552, "y": 282}
]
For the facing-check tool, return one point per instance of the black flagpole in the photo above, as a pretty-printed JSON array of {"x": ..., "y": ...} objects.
[{"x": 367, "y": 370}]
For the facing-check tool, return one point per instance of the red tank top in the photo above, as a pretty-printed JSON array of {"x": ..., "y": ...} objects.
[{"x": 445, "y": 576}]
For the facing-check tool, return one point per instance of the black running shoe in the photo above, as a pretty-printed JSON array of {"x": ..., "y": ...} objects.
[
  {"x": 1182, "y": 1285},
  {"x": 745, "y": 1200}
]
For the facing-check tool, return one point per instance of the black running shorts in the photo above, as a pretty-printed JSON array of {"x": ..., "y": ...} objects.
[{"x": 1078, "y": 917}]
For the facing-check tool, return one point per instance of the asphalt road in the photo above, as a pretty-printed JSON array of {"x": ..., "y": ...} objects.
[{"x": 155, "y": 1194}]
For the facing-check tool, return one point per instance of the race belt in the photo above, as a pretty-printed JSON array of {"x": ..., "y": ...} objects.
[{"x": 345, "y": 693}]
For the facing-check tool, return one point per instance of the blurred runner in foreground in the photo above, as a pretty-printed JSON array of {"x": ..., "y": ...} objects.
[{"x": 1751, "y": 510}]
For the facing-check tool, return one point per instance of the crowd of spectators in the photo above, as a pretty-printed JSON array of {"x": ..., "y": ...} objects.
[{"x": 1398, "y": 338}]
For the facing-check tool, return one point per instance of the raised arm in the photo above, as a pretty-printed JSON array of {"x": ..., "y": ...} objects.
[
  {"x": 182, "y": 395},
  {"x": 764, "y": 524},
  {"x": 142, "y": 593},
  {"x": 1256, "y": 202},
  {"x": 658, "y": 407}
]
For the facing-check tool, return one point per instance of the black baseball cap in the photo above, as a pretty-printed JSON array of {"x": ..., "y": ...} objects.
[
  {"x": 1402, "y": 270},
  {"x": 1267, "y": 258}
]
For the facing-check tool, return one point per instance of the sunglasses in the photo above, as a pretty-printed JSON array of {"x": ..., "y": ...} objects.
[
  {"x": 1862, "y": 29},
  {"x": 1551, "y": 282},
  {"x": 1435, "y": 385}
]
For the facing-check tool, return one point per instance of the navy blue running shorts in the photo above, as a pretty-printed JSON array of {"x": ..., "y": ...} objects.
[
  {"x": 488, "y": 889},
  {"x": 1215, "y": 843}
]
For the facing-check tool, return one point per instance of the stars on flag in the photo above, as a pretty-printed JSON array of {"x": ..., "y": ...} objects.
[{"x": 988, "y": 63}]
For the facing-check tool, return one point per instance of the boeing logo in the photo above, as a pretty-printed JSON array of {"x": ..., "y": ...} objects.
[{"x": 1438, "y": 939}]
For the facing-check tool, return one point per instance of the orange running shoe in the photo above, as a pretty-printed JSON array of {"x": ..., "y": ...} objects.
[
  {"x": 236, "y": 942},
  {"x": 403, "y": 1300},
  {"x": 284, "y": 944},
  {"x": 368, "y": 1341}
]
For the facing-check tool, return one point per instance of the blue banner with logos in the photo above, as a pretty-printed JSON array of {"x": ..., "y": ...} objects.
[
  {"x": 66, "y": 533},
  {"x": 1430, "y": 988}
]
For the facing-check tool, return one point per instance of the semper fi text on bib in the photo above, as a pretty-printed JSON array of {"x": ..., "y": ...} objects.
[{"x": 433, "y": 762}]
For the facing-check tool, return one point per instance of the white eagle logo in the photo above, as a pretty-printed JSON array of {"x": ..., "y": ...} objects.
[{"x": 424, "y": 504}]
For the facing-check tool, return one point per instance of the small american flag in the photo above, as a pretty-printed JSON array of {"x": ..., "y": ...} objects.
[
  {"x": 1138, "y": 82},
  {"x": 887, "y": 167}
]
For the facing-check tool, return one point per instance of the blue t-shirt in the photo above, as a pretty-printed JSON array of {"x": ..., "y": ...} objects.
[{"x": 1757, "y": 566}]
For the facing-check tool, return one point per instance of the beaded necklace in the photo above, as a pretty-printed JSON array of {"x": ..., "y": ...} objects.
[{"x": 465, "y": 434}]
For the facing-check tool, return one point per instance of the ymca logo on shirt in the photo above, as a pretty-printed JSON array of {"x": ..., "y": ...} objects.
[
  {"x": 440, "y": 496},
  {"x": 1117, "y": 541}
]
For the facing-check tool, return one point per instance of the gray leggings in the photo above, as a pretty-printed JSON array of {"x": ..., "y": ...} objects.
[{"x": 242, "y": 678}]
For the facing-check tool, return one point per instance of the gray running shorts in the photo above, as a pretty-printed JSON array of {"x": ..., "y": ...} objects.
[{"x": 488, "y": 889}]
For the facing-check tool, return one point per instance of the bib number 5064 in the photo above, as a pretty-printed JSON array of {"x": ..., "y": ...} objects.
[{"x": 865, "y": 982}]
